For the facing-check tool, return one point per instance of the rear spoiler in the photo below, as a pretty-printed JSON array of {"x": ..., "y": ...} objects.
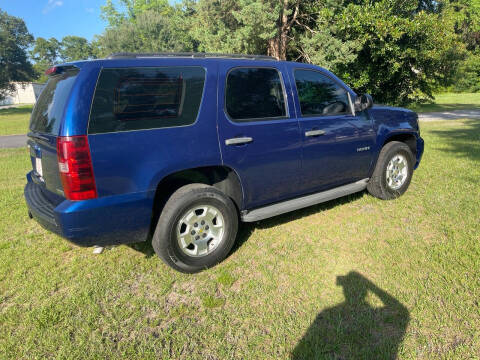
[{"x": 58, "y": 69}]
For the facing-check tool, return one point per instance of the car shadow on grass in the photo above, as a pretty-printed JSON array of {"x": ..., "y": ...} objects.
[
  {"x": 245, "y": 230},
  {"x": 463, "y": 141},
  {"x": 355, "y": 329}
]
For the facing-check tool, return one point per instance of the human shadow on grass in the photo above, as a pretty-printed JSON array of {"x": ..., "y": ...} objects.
[
  {"x": 245, "y": 230},
  {"x": 354, "y": 329},
  {"x": 463, "y": 142}
]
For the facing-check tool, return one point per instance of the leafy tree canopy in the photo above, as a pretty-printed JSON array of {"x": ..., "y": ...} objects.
[
  {"x": 115, "y": 13},
  {"x": 397, "y": 50},
  {"x": 151, "y": 32},
  {"x": 75, "y": 48},
  {"x": 400, "y": 51},
  {"x": 14, "y": 41},
  {"x": 45, "y": 51}
]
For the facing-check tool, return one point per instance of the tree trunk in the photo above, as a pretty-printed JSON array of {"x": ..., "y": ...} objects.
[{"x": 277, "y": 47}]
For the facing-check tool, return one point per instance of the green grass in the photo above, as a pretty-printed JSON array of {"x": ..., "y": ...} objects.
[
  {"x": 14, "y": 121},
  {"x": 451, "y": 101},
  {"x": 409, "y": 269}
]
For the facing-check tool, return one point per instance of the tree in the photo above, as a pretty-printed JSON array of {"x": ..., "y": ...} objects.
[
  {"x": 14, "y": 64},
  {"x": 389, "y": 48},
  {"x": 130, "y": 9},
  {"x": 397, "y": 50},
  {"x": 246, "y": 26},
  {"x": 150, "y": 32},
  {"x": 46, "y": 51},
  {"x": 400, "y": 51},
  {"x": 75, "y": 48}
]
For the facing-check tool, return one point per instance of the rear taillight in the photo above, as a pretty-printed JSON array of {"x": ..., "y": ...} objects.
[{"x": 75, "y": 165}]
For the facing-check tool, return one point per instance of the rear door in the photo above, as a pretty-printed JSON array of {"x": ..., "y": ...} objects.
[
  {"x": 258, "y": 131},
  {"x": 44, "y": 129},
  {"x": 337, "y": 145}
]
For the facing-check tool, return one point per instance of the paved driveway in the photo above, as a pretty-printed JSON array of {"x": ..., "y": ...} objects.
[
  {"x": 450, "y": 115},
  {"x": 13, "y": 141}
]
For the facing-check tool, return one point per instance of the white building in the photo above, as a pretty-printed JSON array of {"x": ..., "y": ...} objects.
[{"x": 25, "y": 93}]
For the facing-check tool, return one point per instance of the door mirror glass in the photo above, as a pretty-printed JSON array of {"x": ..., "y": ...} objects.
[{"x": 363, "y": 102}]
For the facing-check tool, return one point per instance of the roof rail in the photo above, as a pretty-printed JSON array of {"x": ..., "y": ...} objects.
[{"x": 129, "y": 55}]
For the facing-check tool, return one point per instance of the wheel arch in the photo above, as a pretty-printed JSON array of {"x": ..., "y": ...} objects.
[
  {"x": 222, "y": 178},
  {"x": 406, "y": 137}
]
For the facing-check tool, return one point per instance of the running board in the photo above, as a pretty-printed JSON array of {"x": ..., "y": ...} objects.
[{"x": 305, "y": 201}]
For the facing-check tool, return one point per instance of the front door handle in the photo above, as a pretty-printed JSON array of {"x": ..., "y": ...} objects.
[
  {"x": 314, "y": 133},
  {"x": 238, "y": 141}
]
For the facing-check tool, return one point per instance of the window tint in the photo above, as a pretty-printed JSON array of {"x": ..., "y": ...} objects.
[
  {"x": 254, "y": 93},
  {"x": 146, "y": 98},
  {"x": 48, "y": 111},
  {"x": 320, "y": 95}
]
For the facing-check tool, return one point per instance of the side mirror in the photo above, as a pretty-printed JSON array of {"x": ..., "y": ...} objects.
[{"x": 363, "y": 102}]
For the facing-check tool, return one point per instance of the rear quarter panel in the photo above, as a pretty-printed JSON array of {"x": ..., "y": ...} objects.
[{"x": 135, "y": 161}]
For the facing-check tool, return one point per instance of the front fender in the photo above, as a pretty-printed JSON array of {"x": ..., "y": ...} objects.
[{"x": 396, "y": 124}]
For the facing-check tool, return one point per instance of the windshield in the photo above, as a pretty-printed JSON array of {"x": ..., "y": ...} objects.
[{"x": 48, "y": 111}]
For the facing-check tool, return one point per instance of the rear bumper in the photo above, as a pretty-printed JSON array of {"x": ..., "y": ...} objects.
[
  {"x": 420, "y": 147},
  {"x": 108, "y": 220}
]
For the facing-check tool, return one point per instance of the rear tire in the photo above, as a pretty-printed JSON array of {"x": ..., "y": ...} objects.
[
  {"x": 393, "y": 172},
  {"x": 196, "y": 229}
]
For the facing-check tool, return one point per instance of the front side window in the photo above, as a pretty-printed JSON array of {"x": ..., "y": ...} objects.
[
  {"x": 146, "y": 98},
  {"x": 254, "y": 93},
  {"x": 320, "y": 95}
]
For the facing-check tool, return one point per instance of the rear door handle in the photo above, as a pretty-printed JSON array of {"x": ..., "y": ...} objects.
[
  {"x": 238, "y": 141},
  {"x": 314, "y": 133}
]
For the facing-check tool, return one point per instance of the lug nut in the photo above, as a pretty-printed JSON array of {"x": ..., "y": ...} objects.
[
  {"x": 204, "y": 235},
  {"x": 192, "y": 232},
  {"x": 197, "y": 237},
  {"x": 195, "y": 225},
  {"x": 203, "y": 222},
  {"x": 207, "y": 227}
]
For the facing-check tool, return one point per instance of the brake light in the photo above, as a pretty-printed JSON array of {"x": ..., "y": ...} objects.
[
  {"x": 51, "y": 71},
  {"x": 75, "y": 165}
]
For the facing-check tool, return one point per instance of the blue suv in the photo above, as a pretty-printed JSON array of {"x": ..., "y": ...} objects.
[{"x": 178, "y": 148}]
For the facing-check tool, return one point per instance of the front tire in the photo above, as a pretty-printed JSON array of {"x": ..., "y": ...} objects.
[
  {"x": 196, "y": 229},
  {"x": 393, "y": 172}
]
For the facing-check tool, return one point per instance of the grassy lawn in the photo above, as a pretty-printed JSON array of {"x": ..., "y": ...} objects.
[
  {"x": 451, "y": 101},
  {"x": 354, "y": 278},
  {"x": 14, "y": 121}
]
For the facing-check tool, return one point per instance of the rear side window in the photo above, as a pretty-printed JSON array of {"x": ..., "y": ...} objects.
[
  {"x": 320, "y": 95},
  {"x": 146, "y": 98},
  {"x": 254, "y": 93},
  {"x": 47, "y": 114}
]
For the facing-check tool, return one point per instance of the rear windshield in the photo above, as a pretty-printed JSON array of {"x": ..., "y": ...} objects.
[
  {"x": 146, "y": 98},
  {"x": 48, "y": 111}
]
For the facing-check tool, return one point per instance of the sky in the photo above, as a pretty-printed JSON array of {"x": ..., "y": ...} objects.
[{"x": 58, "y": 18}]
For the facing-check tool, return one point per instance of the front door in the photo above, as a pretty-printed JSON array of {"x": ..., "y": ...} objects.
[
  {"x": 258, "y": 132},
  {"x": 337, "y": 145}
]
